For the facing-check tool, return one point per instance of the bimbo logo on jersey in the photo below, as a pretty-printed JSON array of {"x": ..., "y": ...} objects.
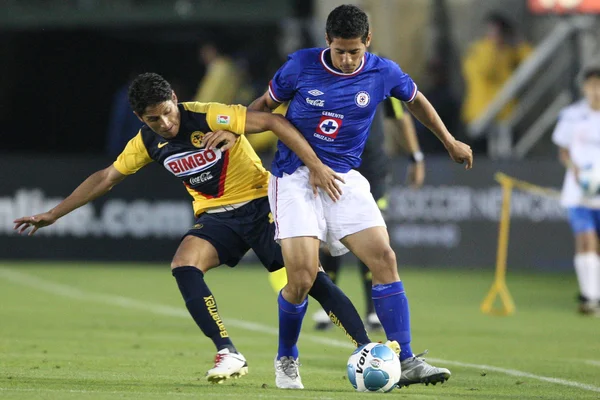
[{"x": 191, "y": 162}]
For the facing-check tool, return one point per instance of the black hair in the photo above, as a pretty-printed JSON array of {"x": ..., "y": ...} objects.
[
  {"x": 506, "y": 26},
  {"x": 148, "y": 89},
  {"x": 592, "y": 71},
  {"x": 347, "y": 22}
]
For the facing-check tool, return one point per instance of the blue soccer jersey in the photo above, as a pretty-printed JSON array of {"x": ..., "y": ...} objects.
[{"x": 334, "y": 110}]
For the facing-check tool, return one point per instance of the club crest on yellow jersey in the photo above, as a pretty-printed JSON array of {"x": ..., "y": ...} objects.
[{"x": 196, "y": 138}]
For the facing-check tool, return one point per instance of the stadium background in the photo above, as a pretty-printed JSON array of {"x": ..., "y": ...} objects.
[{"x": 63, "y": 62}]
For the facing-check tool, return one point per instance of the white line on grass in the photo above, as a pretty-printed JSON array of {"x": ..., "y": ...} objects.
[
  {"x": 184, "y": 394},
  {"x": 125, "y": 302}
]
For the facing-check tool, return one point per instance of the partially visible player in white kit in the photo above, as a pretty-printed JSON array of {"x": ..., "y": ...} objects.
[
  {"x": 577, "y": 135},
  {"x": 333, "y": 93}
]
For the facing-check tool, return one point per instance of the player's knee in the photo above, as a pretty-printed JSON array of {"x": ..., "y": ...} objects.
[
  {"x": 388, "y": 258},
  {"x": 383, "y": 267},
  {"x": 183, "y": 262},
  {"x": 299, "y": 284}
]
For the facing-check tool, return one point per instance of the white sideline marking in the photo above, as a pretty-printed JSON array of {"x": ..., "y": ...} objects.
[
  {"x": 125, "y": 302},
  {"x": 260, "y": 396}
]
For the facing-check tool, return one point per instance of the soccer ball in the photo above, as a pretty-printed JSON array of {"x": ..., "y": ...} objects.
[
  {"x": 373, "y": 367},
  {"x": 589, "y": 179}
]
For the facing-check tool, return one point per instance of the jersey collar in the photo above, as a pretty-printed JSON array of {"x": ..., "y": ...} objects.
[{"x": 333, "y": 71}]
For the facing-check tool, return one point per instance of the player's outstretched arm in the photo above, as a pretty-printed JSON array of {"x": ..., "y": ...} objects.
[
  {"x": 422, "y": 109},
  {"x": 96, "y": 185},
  {"x": 321, "y": 176},
  {"x": 264, "y": 103}
]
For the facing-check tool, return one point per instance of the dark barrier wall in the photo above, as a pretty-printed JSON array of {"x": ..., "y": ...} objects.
[
  {"x": 452, "y": 221},
  {"x": 141, "y": 219}
]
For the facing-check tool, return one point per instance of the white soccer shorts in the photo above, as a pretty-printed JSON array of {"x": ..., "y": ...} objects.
[{"x": 297, "y": 212}]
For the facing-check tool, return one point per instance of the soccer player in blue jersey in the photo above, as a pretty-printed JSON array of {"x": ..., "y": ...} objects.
[{"x": 333, "y": 93}]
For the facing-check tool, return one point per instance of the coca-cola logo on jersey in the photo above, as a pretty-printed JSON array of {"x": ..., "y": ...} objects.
[{"x": 192, "y": 162}]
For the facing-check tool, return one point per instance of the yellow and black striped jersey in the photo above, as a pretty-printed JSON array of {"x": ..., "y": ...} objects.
[{"x": 212, "y": 177}]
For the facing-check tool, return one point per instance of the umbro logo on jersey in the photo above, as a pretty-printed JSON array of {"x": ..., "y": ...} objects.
[
  {"x": 163, "y": 144},
  {"x": 315, "y": 92}
]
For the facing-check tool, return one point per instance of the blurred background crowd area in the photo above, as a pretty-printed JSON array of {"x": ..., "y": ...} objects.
[{"x": 66, "y": 64}]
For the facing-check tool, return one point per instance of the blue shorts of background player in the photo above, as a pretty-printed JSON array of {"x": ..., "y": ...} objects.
[{"x": 583, "y": 219}]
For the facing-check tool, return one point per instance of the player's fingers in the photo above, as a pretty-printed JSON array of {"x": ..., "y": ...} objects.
[
  {"x": 469, "y": 162},
  {"x": 315, "y": 189},
  {"x": 35, "y": 228},
  {"x": 339, "y": 178},
  {"x": 213, "y": 140},
  {"x": 336, "y": 189},
  {"x": 23, "y": 229},
  {"x": 331, "y": 194}
]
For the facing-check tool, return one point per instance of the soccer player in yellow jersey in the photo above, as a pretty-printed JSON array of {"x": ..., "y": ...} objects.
[{"x": 201, "y": 144}]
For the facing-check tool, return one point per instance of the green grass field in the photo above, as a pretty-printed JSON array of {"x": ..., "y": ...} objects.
[{"x": 92, "y": 331}]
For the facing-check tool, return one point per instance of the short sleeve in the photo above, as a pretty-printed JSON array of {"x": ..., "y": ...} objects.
[
  {"x": 562, "y": 132},
  {"x": 283, "y": 85},
  {"x": 399, "y": 83},
  {"x": 226, "y": 118},
  {"x": 134, "y": 156}
]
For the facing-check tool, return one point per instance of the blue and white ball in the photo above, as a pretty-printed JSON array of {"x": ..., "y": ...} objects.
[
  {"x": 373, "y": 367},
  {"x": 589, "y": 179}
]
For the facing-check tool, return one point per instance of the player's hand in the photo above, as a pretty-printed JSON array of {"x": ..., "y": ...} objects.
[
  {"x": 37, "y": 221},
  {"x": 461, "y": 153},
  {"x": 225, "y": 139},
  {"x": 325, "y": 178},
  {"x": 415, "y": 175}
]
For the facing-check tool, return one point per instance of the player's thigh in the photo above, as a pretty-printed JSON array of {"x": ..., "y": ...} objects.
[
  {"x": 196, "y": 252},
  {"x": 356, "y": 211},
  {"x": 212, "y": 241},
  {"x": 584, "y": 226},
  {"x": 301, "y": 257},
  {"x": 296, "y": 211},
  {"x": 372, "y": 246},
  {"x": 260, "y": 236}
]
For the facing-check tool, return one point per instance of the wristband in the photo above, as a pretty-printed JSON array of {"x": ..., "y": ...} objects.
[{"x": 416, "y": 157}]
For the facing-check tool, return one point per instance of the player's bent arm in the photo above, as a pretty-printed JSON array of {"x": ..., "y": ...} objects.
[
  {"x": 422, "y": 109},
  {"x": 264, "y": 103},
  {"x": 257, "y": 122}
]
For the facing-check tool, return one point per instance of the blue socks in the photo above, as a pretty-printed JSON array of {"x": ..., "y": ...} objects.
[
  {"x": 202, "y": 306},
  {"x": 391, "y": 306},
  {"x": 290, "y": 323}
]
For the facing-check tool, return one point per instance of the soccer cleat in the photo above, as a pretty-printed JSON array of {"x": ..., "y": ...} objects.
[
  {"x": 372, "y": 322},
  {"x": 227, "y": 365},
  {"x": 322, "y": 321},
  {"x": 416, "y": 370},
  {"x": 287, "y": 373},
  {"x": 590, "y": 308}
]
